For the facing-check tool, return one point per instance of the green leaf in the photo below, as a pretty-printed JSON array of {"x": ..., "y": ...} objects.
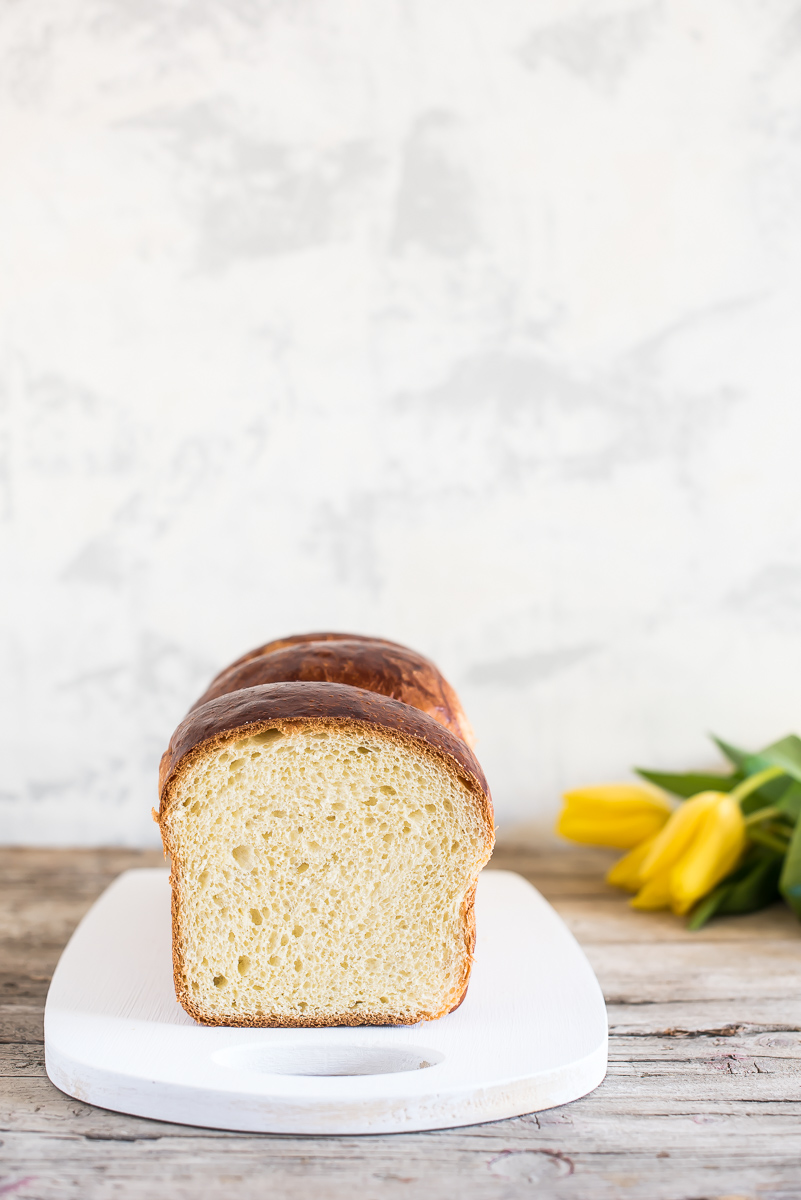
[
  {"x": 758, "y": 887},
  {"x": 769, "y": 839},
  {"x": 790, "y": 882},
  {"x": 736, "y": 757},
  {"x": 790, "y": 802},
  {"x": 689, "y": 784},
  {"x": 786, "y": 754},
  {"x": 707, "y": 907},
  {"x": 749, "y": 887},
  {"x": 782, "y": 754},
  {"x": 769, "y": 793}
]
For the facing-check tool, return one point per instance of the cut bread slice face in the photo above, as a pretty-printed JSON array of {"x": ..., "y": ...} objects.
[
  {"x": 325, "y": 845},
  {"x": 360, "y": 662}
]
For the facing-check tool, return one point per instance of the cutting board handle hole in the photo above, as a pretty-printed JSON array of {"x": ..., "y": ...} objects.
[{"x": 322, "y": 1060}]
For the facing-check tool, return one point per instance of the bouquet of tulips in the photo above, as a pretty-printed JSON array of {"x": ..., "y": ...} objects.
[{"x": 732, "y": 845}]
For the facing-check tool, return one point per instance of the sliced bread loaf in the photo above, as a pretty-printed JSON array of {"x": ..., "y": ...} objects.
[{"x": 325, "y": 844}]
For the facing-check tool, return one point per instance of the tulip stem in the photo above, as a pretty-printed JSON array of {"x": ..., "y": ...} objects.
[
  {"x": 762, "y": 814},
  {"x": 754, "y": 782},
  {"x": 768, "y": 839}
]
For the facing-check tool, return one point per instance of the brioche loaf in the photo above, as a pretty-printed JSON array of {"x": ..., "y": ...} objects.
[
  {"x": 383, "y": 667},
  {"x": 325, "y": 843}
]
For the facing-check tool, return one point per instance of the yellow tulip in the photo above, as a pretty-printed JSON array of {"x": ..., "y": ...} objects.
[
  {"x": 653, "y": 894},
  {"x": 612, "y": 814},
  {"x": 626, "y": 871},
  {"x": 627, "y": 874},
  {"x": 699, "y": 845}
]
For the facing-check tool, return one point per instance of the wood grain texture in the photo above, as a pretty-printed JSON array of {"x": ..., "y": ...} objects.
[{"x": 703, "y": 1096}]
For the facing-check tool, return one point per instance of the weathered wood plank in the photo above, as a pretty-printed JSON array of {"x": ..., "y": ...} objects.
[
  {"x": 50, "y": 919},
  {"x": 783, "y": 1047},
  {"x": 21, "y": 1023},
  {"x": 610, "y": 919},
  {"x": 22, "y": 1059},
  {"x": 577, "y": 873},
  {"x": 694, "y": 1018},
  {"x": 40, "y": 866},
  {"x": 699, "y": 971},
  {"x": 24, "y": 988},
  {"x": 734, "y": 1132},
  {"x": 382, "y": 1169}
]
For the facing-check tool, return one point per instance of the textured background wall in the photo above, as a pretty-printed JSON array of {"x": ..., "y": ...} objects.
[{"x": 475, "y": 325}]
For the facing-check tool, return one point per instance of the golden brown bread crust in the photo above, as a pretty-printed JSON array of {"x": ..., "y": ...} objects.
[
  {"x": 376, "y": 666},
  {"x": 292, "y": 707},
  {"x": 299, "y": 639}
]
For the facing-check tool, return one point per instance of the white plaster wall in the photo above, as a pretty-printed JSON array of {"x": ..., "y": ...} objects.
[{"x": 474, "y": 325}]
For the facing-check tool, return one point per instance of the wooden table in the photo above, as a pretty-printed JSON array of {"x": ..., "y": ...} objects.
[{"x": 702, "y": 1099}]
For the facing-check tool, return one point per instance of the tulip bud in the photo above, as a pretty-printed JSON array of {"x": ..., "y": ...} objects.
[
  {"x": 699, "y": 845},
  {"x": 653, "y": 894},
  {"x": 626, "y": 871},
  {"x": 614, "y": 814}
]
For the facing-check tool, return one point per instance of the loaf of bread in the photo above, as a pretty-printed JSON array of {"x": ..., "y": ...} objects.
[
  {"x": 325, "y": 842},
  {"x": 369, "y": 663}
]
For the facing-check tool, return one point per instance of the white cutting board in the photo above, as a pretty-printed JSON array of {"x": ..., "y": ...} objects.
[{"x": 531, "y": 1033}]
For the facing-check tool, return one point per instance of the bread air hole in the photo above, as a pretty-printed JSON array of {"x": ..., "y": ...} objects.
[
  {"x": 267, "y": 737},
  {"x": 244, "y": 856}
]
